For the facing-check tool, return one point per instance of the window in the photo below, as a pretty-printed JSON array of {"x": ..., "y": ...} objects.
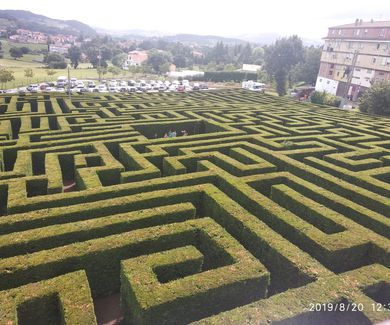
[
  {"x": 320, "y": 80},
  {"x": 357, "y": 32},
  {"x": 366, "y": 31},
  {"x": 328, "y": 82},
  {"x": 374, "y": 60},
  {"x": 382, "y": 33},
  {"x": 356, "y": 69},
  {"x": 330, "y": 72},
  {"x": 332, "y": 66},
  {"x": 333, "y": 31},
  {"x": 378, "y": 46},
  {"x": 369, "y": 71},
  {"x": 340, "y": 31},
  {"x": 338, "y": 73},
  {"x": 383, "y": 61},
  {"x": 381, "y": 73}
]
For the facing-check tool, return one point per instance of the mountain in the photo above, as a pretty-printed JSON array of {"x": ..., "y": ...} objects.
[
  {"x": 190, "y": 39},
  {"x": 134, "y": 34},
  {"x": 202, "y": 40},
  {"x": 263, "y": 39},
  {"x": 28, "y": 20}
]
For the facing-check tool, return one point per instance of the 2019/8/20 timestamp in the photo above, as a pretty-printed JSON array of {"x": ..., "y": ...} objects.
[{"x": 341, "y": 306}]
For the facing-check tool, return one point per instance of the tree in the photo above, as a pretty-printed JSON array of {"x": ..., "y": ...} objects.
[
  {"x": 25, "y": 50},
  {"x": 119, "y": 59},
  {"x": 219, "y": 53},
  {"x": 246, "y": 54},
  {"x": 50, "y": 72},
  {"x": 5, "y": 76},
  {"x": 157, "y": 61},
  {"x": 280, "y": 58},
  {"x": 55, "y": 61},
  {"x": 114, "y": 70},
  {"x": 101, "y": 71},
  {"x": 29, "y": 74},
  {"x": 376, "y": 100},
  {"x": 94, "y": 51},
  {"x": 16, "y": 52},
  {"x": 74, "y": 53},
  {"x": 307, "y": 70},
  {"x": 258, "y": 56}
]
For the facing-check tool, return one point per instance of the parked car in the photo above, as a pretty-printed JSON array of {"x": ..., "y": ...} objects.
[
  {"x": 22, "y": 90},
  {"x": 34, "y": 88},
  {"x": 102, "y": 88}
]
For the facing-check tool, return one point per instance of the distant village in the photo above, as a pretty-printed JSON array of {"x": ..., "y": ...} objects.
[{"x": 57, "y": 43}]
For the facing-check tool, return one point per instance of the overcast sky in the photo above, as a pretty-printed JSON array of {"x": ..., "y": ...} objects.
[{"x": 306, "y": 18}]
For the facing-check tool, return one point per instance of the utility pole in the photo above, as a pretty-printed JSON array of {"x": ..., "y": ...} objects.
[
  {"x": 349, "y": 78},
  {"x": 69, "y": 95},
  {"x": 99, "y": 67}
]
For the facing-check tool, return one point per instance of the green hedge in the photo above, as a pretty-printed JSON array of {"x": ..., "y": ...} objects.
[
  {"x": 238, "y": 278},
  {"x": 223, "y": 76},
  {"x": 62, "y": 300}
]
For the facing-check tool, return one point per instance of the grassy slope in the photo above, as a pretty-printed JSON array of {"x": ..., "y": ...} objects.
[{"x": 34, "y": 61}]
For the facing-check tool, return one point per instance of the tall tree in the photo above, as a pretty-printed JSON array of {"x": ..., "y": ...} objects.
[
  {"x": 158, "y": 60},
  {"x": 50, "y": 72},
  {"x": 16, "y": 52},
  {"x": 6, "y": 76},
  {"x": 376, "y": 100},
  {"x": 29, "y": 74},
  {"x": 307, "y": 70},
  {"x": 74, "y": 53},
  {"x": 119, "y": 59},
  {"x": 280, "y": 58}
]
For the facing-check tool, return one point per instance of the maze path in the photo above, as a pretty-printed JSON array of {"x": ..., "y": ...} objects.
[{"x": 267, "y": 208}]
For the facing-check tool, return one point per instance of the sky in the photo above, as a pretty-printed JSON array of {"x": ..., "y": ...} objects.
[{"x": 305, "y": 18}]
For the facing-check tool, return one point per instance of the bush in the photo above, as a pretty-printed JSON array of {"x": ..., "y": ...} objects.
[
  {"x": 376, "y": 100},
  {"x": 57, "y": 65},
  {"x": 324, "y": 98}
]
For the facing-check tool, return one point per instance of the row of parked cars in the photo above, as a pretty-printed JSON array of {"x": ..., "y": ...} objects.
[{"x": 114, "y": 86}]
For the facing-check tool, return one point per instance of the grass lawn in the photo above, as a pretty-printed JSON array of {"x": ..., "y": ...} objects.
[{"x": 84, "y": 71}]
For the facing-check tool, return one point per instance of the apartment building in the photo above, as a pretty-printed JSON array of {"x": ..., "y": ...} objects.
[{"x": 354, "y": 57}]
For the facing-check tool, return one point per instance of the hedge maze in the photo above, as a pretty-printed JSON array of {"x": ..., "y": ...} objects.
[{"x": 269, "y": 211}]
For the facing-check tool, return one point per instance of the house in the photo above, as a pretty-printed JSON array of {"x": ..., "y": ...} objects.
[
  {"x": 135, "y": 58},
  {"x": 354, "y": 57},
  {"x": 59, "y": 48}
]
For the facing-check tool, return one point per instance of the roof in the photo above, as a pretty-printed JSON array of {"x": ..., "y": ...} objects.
[{"x": 367, "y": 24}]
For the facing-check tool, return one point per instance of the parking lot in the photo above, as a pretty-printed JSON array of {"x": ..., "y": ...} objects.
[{"x": 110, "y": 86}]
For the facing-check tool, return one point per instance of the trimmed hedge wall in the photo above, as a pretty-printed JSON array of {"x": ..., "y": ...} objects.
[{"x": 265, "y": 206}]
